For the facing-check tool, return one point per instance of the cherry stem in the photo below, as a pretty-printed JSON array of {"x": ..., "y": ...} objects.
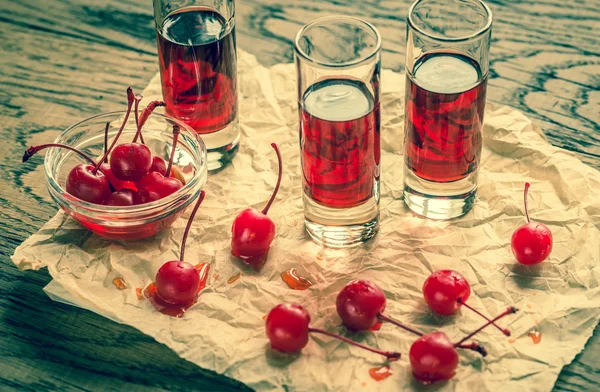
[
  {"x": 272, "y": 199},
  {"x": 527, "y": 185},
  {"x": 475, "y": 347},
  {"x": 383, "y": 317},
  {"x": 130, "y": 99},
  {"x": 138, "y": 98},
  {"x": 176, "y": 132},
  {"x": 389, "y": 355},
  {"x": 144, "y": 117},
  {"x": 508, "y": 311},
  {"x": 189, "y": 224},
  {"x": 106, "y": 136},
  {"x": 31, "y": 151},
  {"x": 504, "y": 331}
]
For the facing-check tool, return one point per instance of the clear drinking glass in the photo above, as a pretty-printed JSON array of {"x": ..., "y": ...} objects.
[
  {"x": 338, "y": 64},
  {"x": 198, "y": 70},
  {"x": 448, "y": 43}
]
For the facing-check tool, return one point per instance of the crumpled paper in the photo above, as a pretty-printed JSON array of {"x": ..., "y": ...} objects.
[{"x": 224, "y": 331}]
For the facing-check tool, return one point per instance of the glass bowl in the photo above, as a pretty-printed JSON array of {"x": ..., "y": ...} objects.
[{"x": 129, "y": 222}]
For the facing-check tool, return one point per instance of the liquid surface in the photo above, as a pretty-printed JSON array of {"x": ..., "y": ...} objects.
[
  {"x": 295, "y": 282},
  {"x": 445, "y": 101},
  {"x": 339, "y": 129},
  {"x": 197, "y": 61}
]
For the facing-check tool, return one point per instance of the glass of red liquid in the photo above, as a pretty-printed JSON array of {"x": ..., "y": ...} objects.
[
  {"x": 338, "y": 63},
  {"x": 198, "y": 71},
  {"x": 448, "y": 43}
]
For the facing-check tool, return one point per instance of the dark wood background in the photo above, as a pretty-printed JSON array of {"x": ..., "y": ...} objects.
[{"x": 61, "y": 61}]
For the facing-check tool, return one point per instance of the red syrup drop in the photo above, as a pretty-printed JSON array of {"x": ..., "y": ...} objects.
[
  {"x": 380, "y": 373},
  {"x": 234, "y": 278},
  {"x": 376, "y": 326},
  {"x": 535, "y": 335},
  {"x": 176, "y": 310},
  {"x": 119, "y": 283},
  {"x": 139, "y": 294},
  {"x": 203, "y": 270},
  {"x": 294, "y": 281}
]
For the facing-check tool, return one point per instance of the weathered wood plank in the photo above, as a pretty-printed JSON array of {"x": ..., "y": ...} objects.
[{"x": 62, "y": 61}]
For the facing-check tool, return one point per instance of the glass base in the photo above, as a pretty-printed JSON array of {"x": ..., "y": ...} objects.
[
  {"x": 222, "y": 146},
  {"x": 436, "y": 200},
  {"x": 341, "y": 228}
]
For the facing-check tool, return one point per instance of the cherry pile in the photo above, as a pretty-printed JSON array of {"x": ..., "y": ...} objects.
[
  {"x": 360, "y": 305},
  {"x": 532, "y": 242},
  {"x": 253, "y": 231},
  {"x": 177, "y": 282},
  {"x": 127, "y": 174}
]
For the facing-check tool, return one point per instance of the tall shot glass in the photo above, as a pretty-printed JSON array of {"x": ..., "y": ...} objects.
[
  {"x": 198, "y": 70},
  {"x": 338, "y": 64},
  {"x": 448, "y": 43}
]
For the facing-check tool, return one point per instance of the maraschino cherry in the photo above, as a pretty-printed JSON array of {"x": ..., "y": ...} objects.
[
  {"x": 288, "y": 325},
  {"x": 177, "y": 282},
  {"x": 253, "y": 231},
  {"x": 83, "y": 181},
  {"x": 155, "y": 185},
  {"x": 433, "y": 357},
  {"x": 532, "y": 242},
  {"x": 445, "y": 291}
]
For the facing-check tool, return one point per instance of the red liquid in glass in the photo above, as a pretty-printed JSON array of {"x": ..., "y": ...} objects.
[
  {"x": 197, "y": 58},
  {"x": 445, "y": 101},
  {"x": 339, "y": 141}
]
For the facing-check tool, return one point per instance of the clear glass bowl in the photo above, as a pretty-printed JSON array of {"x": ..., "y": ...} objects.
[{"x": 129, "y": 222}]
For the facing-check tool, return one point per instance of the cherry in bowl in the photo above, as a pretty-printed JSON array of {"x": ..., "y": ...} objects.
[{"x": 117, "y": 221}]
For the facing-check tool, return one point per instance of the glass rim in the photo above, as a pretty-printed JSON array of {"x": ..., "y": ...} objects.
[
  {"x": 471, "y": 36},
  {"x": 321, "y": 20}
]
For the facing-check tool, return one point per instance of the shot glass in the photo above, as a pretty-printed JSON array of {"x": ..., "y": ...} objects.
[
  {"x": 448, "y": 43},
  {"x": 198, "y": 70},
  {"x": 338, "y": 62}
]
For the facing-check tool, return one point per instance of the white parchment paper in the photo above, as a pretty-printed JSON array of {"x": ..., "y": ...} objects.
[{"x": 224, "y": 331}]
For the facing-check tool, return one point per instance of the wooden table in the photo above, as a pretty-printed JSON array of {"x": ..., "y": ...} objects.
[{"x": 62, "y": 61}]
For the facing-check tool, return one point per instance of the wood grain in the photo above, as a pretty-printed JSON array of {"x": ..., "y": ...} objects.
[{"x": 62, "y": 61}]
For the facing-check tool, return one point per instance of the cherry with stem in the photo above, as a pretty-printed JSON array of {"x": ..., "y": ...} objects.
[
  {"x": 288, "y": 325},
  {"x": 178, "y": 282},
  {"x": 253, "y": 231},
  {"x": 445, "y": 291},
  {"x": 531, "y": 243},
  {"x": 130, "y": 100}
]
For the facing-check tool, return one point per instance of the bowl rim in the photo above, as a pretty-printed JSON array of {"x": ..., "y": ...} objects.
[{"x": 187, "y": 191}]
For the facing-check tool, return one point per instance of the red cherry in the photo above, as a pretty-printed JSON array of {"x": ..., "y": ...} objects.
[
  {"x": 178, "y": 282},
  {"x": 114, "y": 181},
  {"x": 287, "y": 328},
  {"x": 86, "y": 185},
  {"x": 359, "y": 304},
  {"x": 443, "y": 289},
  {"x": 532, "y": 242},
  {"x": 124, "y": 197},
  {"x": 130, "y": 161},
  {"x": 433, "y": 357},
  {"x": 158, "y": 165},
  {"x": 253, "y": 231}
]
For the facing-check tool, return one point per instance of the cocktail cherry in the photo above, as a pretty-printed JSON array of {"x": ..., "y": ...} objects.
[
  {"x": 360, "y": 305},
  {"x": 531, "y": 243},
  {"x": 177, "y": 282},
  {"x": 288, "y": 326},
  {"x": 253, "y": 231},
  {"x": 445, "y": 291}
]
